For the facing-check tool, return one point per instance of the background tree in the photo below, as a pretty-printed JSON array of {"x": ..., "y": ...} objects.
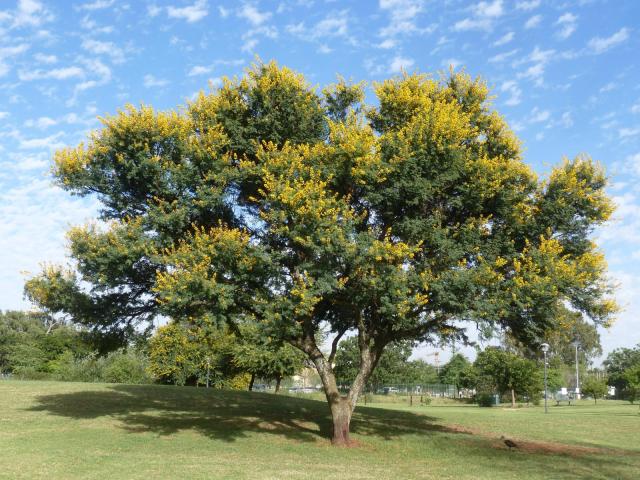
[
  {"x": 186, "y": 354},
  {"x": 595, "y": 388},
  {"x": 617, "y": 363},
  {"x": 265, "y": 358},
  {"x": 265, "y": 201},
  {"x": 632, "y": 378},
  {"x": 507, "y": 372},
  {"x": 394, "y": 366},
  {"x": 455, "y": 371}
]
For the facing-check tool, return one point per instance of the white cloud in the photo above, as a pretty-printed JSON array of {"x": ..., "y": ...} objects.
[
  {"x": 4, "y": 115},
  {"x": 96, "y": 5},
  {"x": 633, "y": 161},
  {"x": 150, "y": 81},
  {"x": 46, "y": 59},
  {"x": 200, "y": 70},
  {"x": 629, "y": 132},
  {"x": 599, "y": 45},
  {"x": 539, "y": 116},
  {"x": 191, "y": 14},
  {"x": 608, "y": 87},
  {"x": 13, "y": 50},
  {"x": 153, "y": 10},
  {"x": 514, "y": 91},
  {"x": 254, "y": 16},
  {"x": 55, "y": 74},
  {"x": 501, "y": 57},
  {"x": 104, "y": 48},
  {"x": 30, "y": 13},
  {"x": 224, "y": 12},
  {"x": 506, "y": 38},
  {"x": 528, "y": 5},
  {"x": 568, "y": 24},
  {"x": 635, "y": 108},
  {"x": 402, "y": 17},
  {"x": 42, "y": 123},
  {"x": 483, "y": 16},
  {"x": 533, "y": 22},
  {"x": 399, "y": 64},
  {"x": 333, "y": 25},
  {"x": 52, "y": 142}
]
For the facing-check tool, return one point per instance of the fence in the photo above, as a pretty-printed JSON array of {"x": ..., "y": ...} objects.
[{"x": 404, "y": 389}]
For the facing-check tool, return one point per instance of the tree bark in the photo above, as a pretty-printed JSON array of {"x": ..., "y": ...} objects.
[
  {"x": 253, "y": 379},
  {"x": 513, "y": 398},
  {"x": 278, "y": 380},
  {"x": 341, "y": 412}
]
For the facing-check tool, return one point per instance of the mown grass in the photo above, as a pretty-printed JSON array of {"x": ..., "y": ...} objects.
[{"x": 97, "y": 431}]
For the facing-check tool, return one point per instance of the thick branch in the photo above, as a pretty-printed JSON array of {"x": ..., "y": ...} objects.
[{"x": 334, "y": 345}]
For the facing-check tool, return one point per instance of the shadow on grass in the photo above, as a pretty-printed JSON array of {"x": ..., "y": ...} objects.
[{"x": 226, "y": 415}]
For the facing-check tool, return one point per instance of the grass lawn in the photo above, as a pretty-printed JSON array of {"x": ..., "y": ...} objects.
[{"x": 97, "y": 431}]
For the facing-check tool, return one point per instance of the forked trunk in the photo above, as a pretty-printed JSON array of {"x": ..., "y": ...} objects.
[{"x": 341, "y": 418}]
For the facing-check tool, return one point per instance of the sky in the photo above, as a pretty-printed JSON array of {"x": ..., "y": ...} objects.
[{"x": 565, "y": 74}]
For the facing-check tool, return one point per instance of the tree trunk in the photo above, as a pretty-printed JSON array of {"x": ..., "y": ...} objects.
[
  {"x": 341, "y": 418},
  {"x": 278, "y": 380},
  {"x": 341, "y": 406},
  {"x": 253, "y": 379},
  {"x": 513, "y": 398}
]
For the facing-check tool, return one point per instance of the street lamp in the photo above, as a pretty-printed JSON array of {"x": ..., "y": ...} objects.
[
  {"x": 577, "y": 345},
  {"x": 545, "y": 349}
]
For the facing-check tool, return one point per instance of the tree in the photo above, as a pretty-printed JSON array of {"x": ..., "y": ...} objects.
[
  {"x": 394, "y": 366},
  {"x": 504, "y": 371},
  {"x": 266, "y": 201},
  {"x": 617, "y": 363},
  {"x": 593, "y": 387},
  {"x": 453, "y": 372},
  {"x": 632, "y": 378},
  {"x": 264, "y": 358},
  {"x": 185, "y": 354}
]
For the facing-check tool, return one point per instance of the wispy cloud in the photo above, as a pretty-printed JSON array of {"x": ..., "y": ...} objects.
[
  {"x": 533, "y": 22},
  {"x": 254, "y": 16},
  {"x": 192, "y": 13},
  {"x": 568, "y": 24},
  {"x": 506, "y": 38},
  {"x": 599, "y": 45},
  {"x": 54, "y": 74},
  {"x": 482, "y": 18},
  {"x": 151, "y": 81},
  {"x": 109, "y": 49}
]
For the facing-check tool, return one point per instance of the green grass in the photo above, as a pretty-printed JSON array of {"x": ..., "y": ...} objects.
[{"x": 92, "y": 431}]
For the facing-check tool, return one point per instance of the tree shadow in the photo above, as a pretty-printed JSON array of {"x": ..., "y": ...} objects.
[{"x": 226, "y": 415}]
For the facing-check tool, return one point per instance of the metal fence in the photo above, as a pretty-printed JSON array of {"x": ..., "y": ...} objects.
[{"x": 404, "y": 389}]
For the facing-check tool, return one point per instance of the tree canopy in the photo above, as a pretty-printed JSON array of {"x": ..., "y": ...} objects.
[{"x": 269, "y": 202}]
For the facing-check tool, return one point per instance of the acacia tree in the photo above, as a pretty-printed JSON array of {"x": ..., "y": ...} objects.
[{"x": 266, "y": 201}]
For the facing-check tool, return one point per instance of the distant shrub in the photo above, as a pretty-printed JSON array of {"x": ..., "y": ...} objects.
[
  {"x": 116, "y": 367},
  {"x": 485, "y": 399}
]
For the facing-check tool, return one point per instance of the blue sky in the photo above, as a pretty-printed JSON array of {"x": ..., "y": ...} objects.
[{"x": 566, "y": 74}]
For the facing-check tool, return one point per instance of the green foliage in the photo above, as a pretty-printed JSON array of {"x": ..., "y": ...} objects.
[
  {"x": 484, "y": 399},
  {"x": 501, "y": 371},
  {"x": 618, "y": 363},
  {"x": 394, "y": 366},
  {"x": 264, "y": 358},
  {"x": 457, "y": 372},
  {"x": 30, "y": 343},
  {"x": 183, "y": 354},
  {"x": 594, "y": 388},
  {"x": 120, "y": 366},
  {"x": 632, "y": 378}
]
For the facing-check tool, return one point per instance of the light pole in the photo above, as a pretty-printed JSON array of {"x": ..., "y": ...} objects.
[
  {"x": 577, "y": 344},
  {"x": 545, "y": 349}
]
